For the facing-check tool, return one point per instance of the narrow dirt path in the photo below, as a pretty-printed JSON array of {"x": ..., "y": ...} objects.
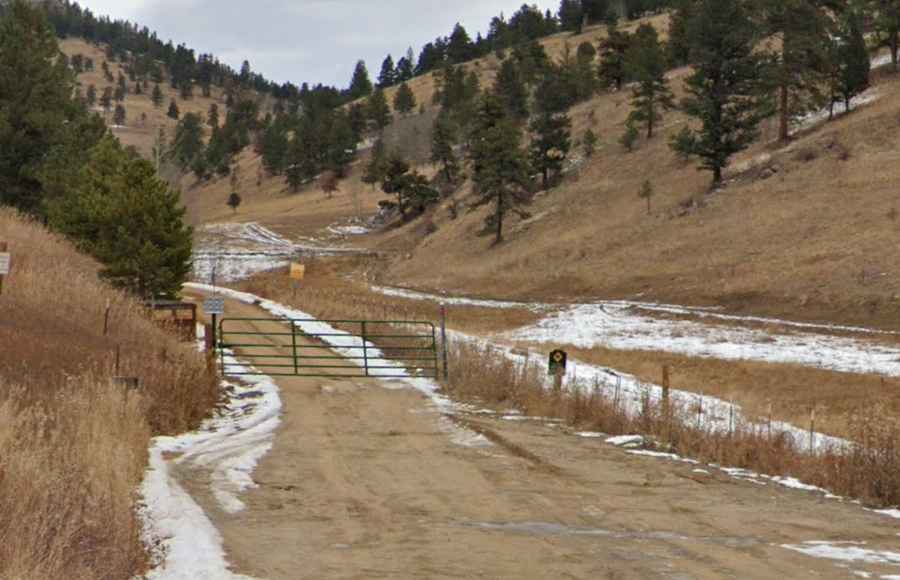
[{"x": 367, "y": 480}]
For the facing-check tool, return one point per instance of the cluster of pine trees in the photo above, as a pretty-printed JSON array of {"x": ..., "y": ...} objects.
[
  {"x": 60, "y": 165},
  {"x": 751, "y": 59}
]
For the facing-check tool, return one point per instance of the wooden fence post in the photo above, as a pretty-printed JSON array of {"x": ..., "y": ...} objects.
[{"x": 3, "y": 248}]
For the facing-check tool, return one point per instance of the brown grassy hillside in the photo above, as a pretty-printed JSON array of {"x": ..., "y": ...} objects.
[
  {"x": 137, "y": 132},
  {"x": 73, "y": 445},
  {"x": 804, "y": 231}
]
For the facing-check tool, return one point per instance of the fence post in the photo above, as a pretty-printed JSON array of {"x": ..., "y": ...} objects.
[
  {"x": 294, "y": 345},
  {"x": 731, "y": 417},
  {"x": 365, "y": 349},
  {"x": 444, "y": 341},
  {"x": 665, "y": 389},
  {"x": 118, "y": 354},
  {"x": 700, "y": 411},
  {"x": 3, "y": 248}
]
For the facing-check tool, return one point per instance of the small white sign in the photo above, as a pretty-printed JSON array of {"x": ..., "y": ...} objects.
[
  {"x": 214, "y": 306},
  {"x": 4, "y": 263}
]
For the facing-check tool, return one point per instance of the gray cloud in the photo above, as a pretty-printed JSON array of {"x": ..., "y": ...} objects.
[{"x": 307, "y": 40}]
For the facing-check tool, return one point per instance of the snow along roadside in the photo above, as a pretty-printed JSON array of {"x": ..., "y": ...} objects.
[{"x": 186, "y": 544}]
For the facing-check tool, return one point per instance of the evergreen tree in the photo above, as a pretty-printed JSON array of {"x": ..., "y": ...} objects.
[
  {"x": 212, "y": 117},
  {"x": 406, "y": 66},
  {"x": 613, "y": 51},
  {"x": 119, "y": 94},
  {"x": 187, "y": 90},
  {"x": 340, "y": 143},
  {"x": 394, "y": 181},
  {"x": 551, "y": 133},
  {"x": 388, "y": 76},
  {"x": 646, "y": 63},
  {"x": 460, "y": 48},
  {"x": 679, "y": 45},
  {"x": 91, "y": 97},
  {"x": 119, "y": 115},
  {"x": 378, "y": 109},
  {"x": 360, "y": 84},
  {"x": 500, "y": 170},
  {"x": 234, "y": 201},
  {"x": 803, "y": 28},
  {"x": 157, "y": 96},
  {"x": 188, "y": 141},
  {"x": 511, "y": 90},
  {"x": 106, "y": 99},
  {"x": 275, "y": 144},
  {"x": 404, "y": 100},
  {"x": 571, "y": 17},
  {"x": 377, "y": 165},
  {"x": 131, "y": 221},
  {"x": 887, "y": 25},
  {"x": 850, "y": 60},
  {"x": 443, "y": 140},
  {"x": 725, "y": 92},
  {"x": 39, "y": 114},
  {"x": 138, "y": 90},
  {"x": 173, "y": 112}
]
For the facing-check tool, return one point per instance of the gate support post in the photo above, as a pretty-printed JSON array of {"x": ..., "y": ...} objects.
[
  {"x": 444, "y": 341},
  {"x": 294, "y": 345},
  {"x": 365, "y": 349}
]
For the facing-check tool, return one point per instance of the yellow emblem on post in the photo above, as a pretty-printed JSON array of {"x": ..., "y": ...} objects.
[{"x": 297, "y": 271}]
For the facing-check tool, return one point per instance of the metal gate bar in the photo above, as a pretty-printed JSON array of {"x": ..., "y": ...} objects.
[{"x": 395, "y": 355}]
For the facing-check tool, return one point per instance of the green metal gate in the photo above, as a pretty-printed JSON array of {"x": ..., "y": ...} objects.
[{"x": 286, "y": 347}]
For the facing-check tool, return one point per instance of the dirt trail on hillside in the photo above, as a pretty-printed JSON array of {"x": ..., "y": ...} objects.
[{"x": 365, "y": 481}]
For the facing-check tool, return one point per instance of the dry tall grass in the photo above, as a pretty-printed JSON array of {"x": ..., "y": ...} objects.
[
  {"x": 73, "y": 444},
  {"x": 868, "y": 470}
]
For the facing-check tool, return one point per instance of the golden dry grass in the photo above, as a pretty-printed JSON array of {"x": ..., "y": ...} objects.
[
  {"x": 336, "y": 289},
  {"x": 138, "y": 133},
  {"x": 72, "y": 444},
  {"x": 869, "y": 471}
]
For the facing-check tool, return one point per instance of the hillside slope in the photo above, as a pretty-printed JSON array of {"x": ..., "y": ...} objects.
[{"x": 804, "y": 231}]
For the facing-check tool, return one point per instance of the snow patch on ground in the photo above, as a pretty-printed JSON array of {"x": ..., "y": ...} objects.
[
  {"x": 458, "y": 301},
  {"x": 229, "y": 446},
  {"x": 348, "y": 230},
  {"x": 626, "y": 441},
  {"x": 620, "y": 326},
  {"x": 845, "y": 552}
]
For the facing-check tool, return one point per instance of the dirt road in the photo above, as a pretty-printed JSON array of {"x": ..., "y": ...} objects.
[{"x": 368, "y": 480}]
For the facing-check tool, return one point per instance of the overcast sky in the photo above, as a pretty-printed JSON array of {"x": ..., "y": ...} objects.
[{"x": 307, "y": 40}]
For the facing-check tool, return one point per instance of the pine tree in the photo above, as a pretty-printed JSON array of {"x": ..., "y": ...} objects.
[
  {"x": 188, "y": 141},
  {"x": 275, "y": 144},
  {"x": 500, "y": 170},
  {"x": 646, "y": 62},
  {"x": 460, "y": 48},
  {"x": 394, "y": 180},
  {"x": 613, "y": 50},
  {"x": 157, "y": 96},
  {"x": 404, "y": 100},
  {"x": 511, "y": 89},
  {"x": 443, "y": 140},
  {"x": 234, "y": 201},
  {"x": 571, "y": 17},
  {"x": 119, "y": 94},
  {"x": 887, "y": 25},
  {"x": 129, "y": 220},
  {"x": 851, "y": 64},
  {"x": 803, "y": 28},
  {"x": 106, "y": 99},
  {"x": 551, "y": 133},
  {"x": 378, "y": 109},
  {"x": 91, "y": 97},
  {"x": 377, "y": 165},
  {"x": 360, "y": 84},
  {"x": 119, "y": 115},
  {"x": 725, "y": 91},
  {"x": 406, "y": 66},
  {"x": 173, "y": 113},
  {"x": 388, "y": 76},
  {"x": 679, "y": 45},
  {"x": 212, "y": 117}
]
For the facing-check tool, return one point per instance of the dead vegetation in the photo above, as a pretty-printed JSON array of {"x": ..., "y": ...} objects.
[
  {"x": 868, "y": 470},
  {"x": 73, "y": 443}
]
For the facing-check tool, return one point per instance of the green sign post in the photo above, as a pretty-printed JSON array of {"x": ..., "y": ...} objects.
[{"x": 559, "y": 359}]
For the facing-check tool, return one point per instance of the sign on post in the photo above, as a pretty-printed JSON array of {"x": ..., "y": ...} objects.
[
  {"x": 214, "y": 306},
  {"x": 559, "y": 359},
  {"x": 297, "y": 271}
]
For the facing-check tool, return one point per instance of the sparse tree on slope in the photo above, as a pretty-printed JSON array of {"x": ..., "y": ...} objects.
[
  {"x": 119, "y": 115},
  {"x": 613, "y": 48},
  {"x": 500, "y": 170},
  {"x": 646, "y": 62},
  {"x": 511, "y": 89},
  {"x": 850, "y": 60},
  {"x": 725, "y": 93},
  {"x": 173, "y": 113},
  {"x": 404, "y": 100},
  {"x": 360, "y": 84},
  {"x": 377, "y": 165},
  {"x": 551, "y": 133},
  {"x": 443, "y": 139},
  {"x": 157, "y": 96},
  {"x": 379, "y": 110},
  {"x": 188, "y": 141}
]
